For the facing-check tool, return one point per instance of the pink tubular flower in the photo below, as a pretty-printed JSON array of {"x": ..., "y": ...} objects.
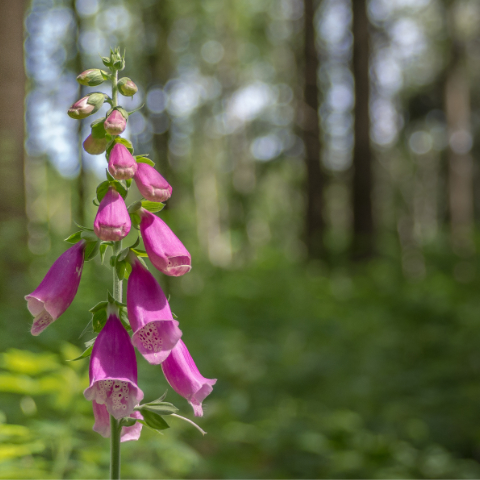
[
  {"x": 102, "y": 424},
  {"x": 121, "y": 164},
  {"x": 95, "y": 146},
  {"x": 57, "y": 290},
  {"x": 183, "y": 376},
  {"x": 164, "y": 249},
  {"x": 115, "y": 123},
  {"x": 151, "y": 184},
  {"x": 155, "y": 330},
  {"x": 113, "y": 371},
  {"x": 112, "y": 222}
]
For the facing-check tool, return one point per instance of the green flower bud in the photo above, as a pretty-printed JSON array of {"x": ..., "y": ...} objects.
[
  {"x": 117, "y": 60},
  {"x": 92, "y": 77},
  {"x": 126, "y": 87},
  {"x": 97, "y": 100}
]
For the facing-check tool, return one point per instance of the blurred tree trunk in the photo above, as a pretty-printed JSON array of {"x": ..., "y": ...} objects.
[
  {"x": 460, "y": 163},
  {"x": 157, "y": 19},
  {"x": 82, "y": 177},
  {"x": 363, "y": 227},
  {"x": 315, "y": 181},
  {"x": 12, "y": 86}
]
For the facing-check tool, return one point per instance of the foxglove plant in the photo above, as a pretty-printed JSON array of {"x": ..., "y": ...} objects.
[{"x": 113, "y": 389}]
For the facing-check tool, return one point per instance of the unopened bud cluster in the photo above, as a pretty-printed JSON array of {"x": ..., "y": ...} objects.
[{"x": 113, "y": 378}]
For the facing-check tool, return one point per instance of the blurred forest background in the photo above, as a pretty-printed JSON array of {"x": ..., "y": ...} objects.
[{"x": 322, "y": 158}]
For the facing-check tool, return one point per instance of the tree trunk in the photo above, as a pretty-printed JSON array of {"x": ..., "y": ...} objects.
[
  {"x": 12, "y": 86},
  {"x": 158, "y": 19},
  {"x": 82, "y": 176},
  {"x": 363, "y": 227},
  {"x": 460, "y": 163},
  {"x": 12, "y": 206},
  {"x": 311, "y": 134}
]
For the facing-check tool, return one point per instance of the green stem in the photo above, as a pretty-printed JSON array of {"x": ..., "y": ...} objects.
[
  {"x": 114, "y": 88},
  {"x": 115, "y": 428},
  {"x": 117, "y": 283}
]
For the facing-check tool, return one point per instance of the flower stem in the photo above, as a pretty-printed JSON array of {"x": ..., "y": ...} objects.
[
  {"x": 114, "y": 88},
  {"x": 115, "y": 428},
  {"x": 117, "y": 283}
]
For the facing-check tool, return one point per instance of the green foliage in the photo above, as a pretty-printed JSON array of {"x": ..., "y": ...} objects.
[{"x": 321, "y": 374}]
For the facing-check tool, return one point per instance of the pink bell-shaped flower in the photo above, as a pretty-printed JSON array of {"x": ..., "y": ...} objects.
[
  {"x": 151, "y": 184},
  {"x": 155, "y": 332},
  {"x": 113, "y": 370},
  {"x": 121, "y": 163},
  {"x": 58, "y": 289},
  {"x": 164, "y": 249},
  {"x": 102, "y": 424},
  {"x": 183, "y": 376},
  {"x": 112, "y": 222},
  {"x": 115, "y": 123}
]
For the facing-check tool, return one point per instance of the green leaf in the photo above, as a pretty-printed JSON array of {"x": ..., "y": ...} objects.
[
  {"x": 154, "y": 420},
  {"x": 89, "y": 236},
  {"x": 136, "y": 109},
  {"x": 128, "y": 182},
  {"x": 137, "y": 242},
  {"x": 133, "y": 207},
  {"x": 97, "y": 121},
  {"x": 128, "y": 270},
  {"x": 142, "y": 261},
  {"x": 139, "y": 253},
  {"x": 98, "y": 130},
  {"x": 160, "y": 408},
  {"x": 98, "y": 320},
  {"x": 99, "y": 306},
  {"x": 127, "y": 421},
  {"x": 91, "y": 250},
  {"x": 85, "y": 354},
  {"x": 123, "y": 314},
  {"x": 102, "y": 190},
  {"x": 123, "y": 112},
  {"x": 120, "y": 189},
  {"x": 81, "y": 227},
  {"x": 125, "y": 142},
  {"x": 153, "y": 207},
  {"x": 103, "y": 249},
  {"x": 120, "y": 269},
  {"x": 146, "y": 160},
  {"x": 162, "y": 398},
  {"x": 123, "y": 254},
  {"x": 109, "y": 176},
  {"x": 135, "y": 218},
  {"x": 74, "y": 237}
]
